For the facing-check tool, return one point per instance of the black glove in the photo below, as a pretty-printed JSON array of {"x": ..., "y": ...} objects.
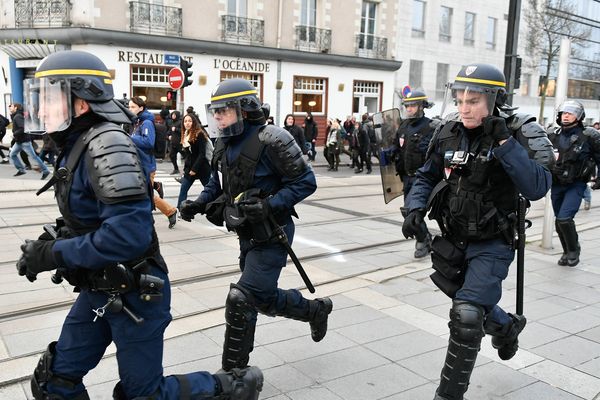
[
  {"x": 189, "y": 208},
  {"x": 412, "y": 225},
  {"x": 255, "y": 208},
  {"x": 596, "y": 185},
  {"x": 496, "y": 128},
  {"x": 37, "y": 257}
]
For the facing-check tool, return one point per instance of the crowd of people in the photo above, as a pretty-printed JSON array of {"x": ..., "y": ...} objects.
[{"x": 471, "y": 172}]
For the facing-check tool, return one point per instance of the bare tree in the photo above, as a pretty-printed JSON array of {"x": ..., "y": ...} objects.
[{"x": 548, "y": 22}]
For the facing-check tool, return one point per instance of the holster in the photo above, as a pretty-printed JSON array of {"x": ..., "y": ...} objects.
[{"x": 449, "y": 262}]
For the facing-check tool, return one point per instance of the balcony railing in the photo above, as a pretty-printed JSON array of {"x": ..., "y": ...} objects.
[
  {"x": 242, "y": 30},
  {"x": 154, "y": 19},
  {"x": 371, "y": 46},
  {"x": 42, "y": 14},
  {"x": 310, "y": 38}
]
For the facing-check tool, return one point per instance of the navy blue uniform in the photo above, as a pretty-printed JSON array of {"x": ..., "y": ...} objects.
[
  {"x": 488, "y": 260},
  {"x": 125, "y": 232},
  {"x": 261, "y": 265}
]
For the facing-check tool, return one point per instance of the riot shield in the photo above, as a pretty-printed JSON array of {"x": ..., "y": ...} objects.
[{"x": 386, "y": 124}]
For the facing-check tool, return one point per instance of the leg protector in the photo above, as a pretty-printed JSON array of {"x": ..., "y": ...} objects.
[
  {"x": 466, "y": 332},
  {"x": 239, "y": 384},
  {"x": 506, "y": 338},
  {"x": 240, "y": 319},
  {"x": 569, "y": 232},
  {"x": 43, "y": 374},
  {"x": 561, "y": 237},
  {"x": 315, "y": 312}
]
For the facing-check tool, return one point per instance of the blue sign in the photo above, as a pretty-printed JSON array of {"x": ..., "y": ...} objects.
[{"x": 171, "y": 59}]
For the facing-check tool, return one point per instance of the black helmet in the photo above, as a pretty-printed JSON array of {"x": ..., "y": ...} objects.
[
  {"x": 235, "y": 95},
  {"x": 482, "y": 77},
  {"x": 64, "y": 74},
  {"x": 572, "y": 107},
  {"x": 418, "y": 97}
]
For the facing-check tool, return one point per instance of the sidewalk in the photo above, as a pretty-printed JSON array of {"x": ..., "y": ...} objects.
[{"x": 388, "y": 332}]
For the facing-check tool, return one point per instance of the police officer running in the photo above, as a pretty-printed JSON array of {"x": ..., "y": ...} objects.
[
  {"x": 105, "y": 245},
  {"x": 263, "y": 177},
  {"x": 578, "y": 155},
  {"x": 411, "y": 143},
  {"x": 480, "y": 159}
]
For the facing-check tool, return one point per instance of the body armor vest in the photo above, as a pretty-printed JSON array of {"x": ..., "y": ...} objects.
[
  {"x": 571, "y": 166},
  {"x": 480, "y": 195},
  {"x": 63, "y": 180},
  {"x": 413, "y": 157}
]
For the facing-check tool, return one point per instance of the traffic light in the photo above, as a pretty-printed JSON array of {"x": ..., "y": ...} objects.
[
  {"x": 185, "y": 66},
  {"x": 518, "y": 73},
  {"x": 171, "y": 95}
]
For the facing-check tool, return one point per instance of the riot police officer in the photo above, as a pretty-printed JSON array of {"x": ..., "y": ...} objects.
[
  {"x": 105, "y": 246},
  {"x": 578, "y": 155},
  {"x": 412, "y": 141},
  {"x": 479, "y": 160},
  {"x": 263, "y": 177}
]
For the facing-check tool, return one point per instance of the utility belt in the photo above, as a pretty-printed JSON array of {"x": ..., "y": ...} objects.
[{"x": 449, "y": 262}]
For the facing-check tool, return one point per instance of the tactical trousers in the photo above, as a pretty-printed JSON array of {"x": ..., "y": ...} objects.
[
  {"x": 566, "y": 199},
  {"x": 488, "y": 263},
  {"x": 83, "y": 342}
]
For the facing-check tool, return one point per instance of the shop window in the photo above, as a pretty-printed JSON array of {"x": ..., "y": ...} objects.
[
  {"x": 309, "y": 95},
  {"x": 366, "y": 97},
  {"x": 151, "y": 83}
]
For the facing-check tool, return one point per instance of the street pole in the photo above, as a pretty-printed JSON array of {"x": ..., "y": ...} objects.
[
  {"x": 512, "y": 43},
  {"x": 560, "y": 95}
]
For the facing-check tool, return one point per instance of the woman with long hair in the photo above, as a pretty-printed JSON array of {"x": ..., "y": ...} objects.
[{"x": 198, "y": 152}]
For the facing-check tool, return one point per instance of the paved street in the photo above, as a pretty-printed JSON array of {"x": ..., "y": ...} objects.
[{"x": 388, "y": 331}]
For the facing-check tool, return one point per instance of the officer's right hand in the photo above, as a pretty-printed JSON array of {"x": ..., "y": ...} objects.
[
  {"x": 412, "y": 223},
  {"x": 22, "y": 270},
  {"x": 189, "y": 208}
]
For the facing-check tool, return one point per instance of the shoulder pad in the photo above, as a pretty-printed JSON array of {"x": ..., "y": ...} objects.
[
  {"x": 435, "y": 122},
  {"x": 538, "y": 146},
  {"x": 113, "y": 165},
  {"x": 454, "y": 116},
  {"x": 592, "y": 133},
  {"x": 515, "y": 121},
  {"x": 283, "y": 151}
]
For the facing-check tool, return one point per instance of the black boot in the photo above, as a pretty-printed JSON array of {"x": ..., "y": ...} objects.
[
  {"x": 239, "y": 384},
  {"x": 316, "y": 313},
  {"x": 571, "y": 240},
  {"x": 563, "y": 259},
  {"x": 506, "y": 341},
  {"x": 466, "y": 332}
]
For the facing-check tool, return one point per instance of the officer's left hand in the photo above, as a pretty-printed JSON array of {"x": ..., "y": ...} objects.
[
  {"x": 37, "y": 257},
  {"x": 255, "y": 209},
  {"x": 496, "y": 128},
  {"x": 412, "y": 223},
  {"x": 596, "y": 185}
]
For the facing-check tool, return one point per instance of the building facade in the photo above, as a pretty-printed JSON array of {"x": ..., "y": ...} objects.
[{"x": 330, "y": 57}]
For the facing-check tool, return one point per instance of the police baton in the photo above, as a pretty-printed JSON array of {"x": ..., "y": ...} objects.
[
  {"x": 522, "y": 225},
  {"x": 282, "y": 238}
]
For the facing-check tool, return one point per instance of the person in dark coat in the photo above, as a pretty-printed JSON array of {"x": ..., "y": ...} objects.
[
  {"x": 174, "y": 136},
  {"x": 311, "y": 132},
  {"x": 290, "y": 125}
]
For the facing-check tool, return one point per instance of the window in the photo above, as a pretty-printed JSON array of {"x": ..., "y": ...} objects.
[
  {"x": 366, "y": 97},
  {"x": 151, "y": 83},
  {"x": 524, "y": 89},
  {"x": 367, "y": 25},
  {"x": 490, "y": 39},
  {"x": 237, "y": 12},
  {"x": 237, "y": 7},
  {"x": 255, "y": 79},
  {"x": 445, "y": 24},
  {"x": 308, "y": 13},
  {"x": 418, "y": 19},
  {"x": 415, "y": 73},
  {"x": 469, "y": 38},
  {"x": 441, "y": 80},
  {"x": 309, "y": 94}
]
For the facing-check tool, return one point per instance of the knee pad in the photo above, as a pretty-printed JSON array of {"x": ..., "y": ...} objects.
[
  {"x": 466, "y": 321},
  {"x": 43, "y": 374},
  {"x": 239, "y": 298}
]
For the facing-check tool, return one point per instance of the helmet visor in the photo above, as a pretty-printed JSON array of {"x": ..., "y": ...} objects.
[
  {"x": 226, "y": 118},
  {"x": 412, "y": 109},
  {"x": 572, "y": 108},
  {"x": 472, "y": 103},
  {"x": 47, "y": 105}
]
